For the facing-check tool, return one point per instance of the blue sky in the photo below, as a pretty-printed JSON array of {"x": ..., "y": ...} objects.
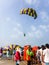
[{"x": 13, "y": 25}]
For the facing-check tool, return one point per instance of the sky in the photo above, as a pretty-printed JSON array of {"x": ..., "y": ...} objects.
[{"x": 13, "y": 25}]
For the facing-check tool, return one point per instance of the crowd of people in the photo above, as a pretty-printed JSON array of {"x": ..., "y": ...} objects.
[{"x": 39, "y": 54}]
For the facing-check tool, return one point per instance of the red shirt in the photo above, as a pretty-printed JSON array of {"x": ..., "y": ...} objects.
[{"x": 17, "y": 55}]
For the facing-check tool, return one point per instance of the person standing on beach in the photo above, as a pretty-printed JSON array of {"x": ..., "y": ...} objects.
[
  {"x": 17, "y": 56},
  {"x": 29, "y": 55},
  {"x": 46, "y": 55}
]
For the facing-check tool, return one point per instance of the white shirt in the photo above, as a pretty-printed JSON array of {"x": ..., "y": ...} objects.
[
  {"x": 41, "y": 54},
  {"x": 37, "y": 54},
  {"x": 46, "y": 57},
  {"x": 41, "y": 51}
]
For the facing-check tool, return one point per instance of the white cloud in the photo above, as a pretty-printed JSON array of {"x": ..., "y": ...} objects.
[
  {"x": 16, "y": 35},
  {"x": 17, "y": 27},
  {"x": 17, "y": 31},
  {"x": 6, "y": 3},
  {"x": 44, "y": 16},
  {"x": 33, "y": 2},
  {"x": 38, "y": 34},
  {"x": 35, "y": 32},
  {"x": 8, "y": 19},
  {"x": 33, "y": 28},
  {"x": 29, "y": 1},
  {"x": 44, "y": 27},
  {"x": 5, "y": 19},
  {"x": 30, "y": 34},
  {"x": 38, "y": 31}
]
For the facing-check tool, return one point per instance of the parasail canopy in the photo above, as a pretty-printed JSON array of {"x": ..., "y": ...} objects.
[{"x": 29, "y": 11}]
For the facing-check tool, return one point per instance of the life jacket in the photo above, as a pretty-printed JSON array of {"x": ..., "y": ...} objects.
[
  {"x": 24, "y": 52},
  {"x": 28, "y": 55},
  {"x": 34, "y": 49}
]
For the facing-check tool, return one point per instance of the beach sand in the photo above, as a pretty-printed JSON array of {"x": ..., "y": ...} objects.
[{"x": 11, "y": 62}]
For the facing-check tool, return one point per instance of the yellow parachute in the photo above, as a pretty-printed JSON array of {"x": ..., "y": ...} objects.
[{"x": 29, "y": 11}]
